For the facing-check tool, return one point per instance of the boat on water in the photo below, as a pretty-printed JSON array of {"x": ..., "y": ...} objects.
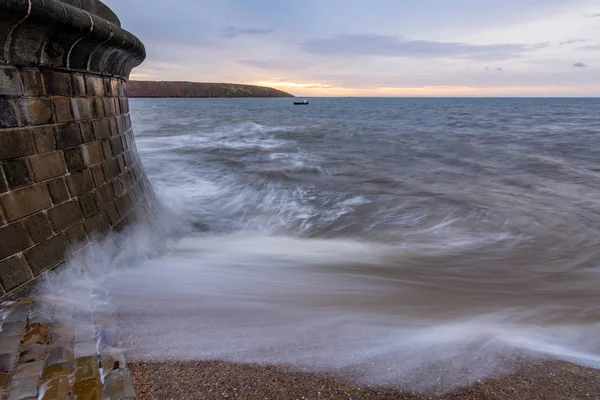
[{"x": 301, "y": 102}]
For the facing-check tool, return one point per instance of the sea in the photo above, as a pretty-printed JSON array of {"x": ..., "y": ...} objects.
[{"x": 421, "y": 243}]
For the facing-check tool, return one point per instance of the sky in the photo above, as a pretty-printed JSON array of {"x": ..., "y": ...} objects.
[{"x": 373, "y": 47}]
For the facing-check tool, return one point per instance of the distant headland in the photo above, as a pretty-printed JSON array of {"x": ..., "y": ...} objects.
[{"x": 199, "y": 89}]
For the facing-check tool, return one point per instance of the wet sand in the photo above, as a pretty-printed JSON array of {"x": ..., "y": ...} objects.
[{"x": 548, "y": 380}]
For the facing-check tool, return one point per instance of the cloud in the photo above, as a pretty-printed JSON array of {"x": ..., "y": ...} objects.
[
  {"x": 572, "y": 41},
  {"x": 234, "y": 31},
  {"x": 597, "y": 15},
  {"x": 579, "y": 65},
  {"x": 499, "y": 69},
  {"x": 393, "y": 46},
  {"x": 594, "y": 47}
]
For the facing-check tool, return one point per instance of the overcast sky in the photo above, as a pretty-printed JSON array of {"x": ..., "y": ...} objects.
[{"x": 373, "y": 47}]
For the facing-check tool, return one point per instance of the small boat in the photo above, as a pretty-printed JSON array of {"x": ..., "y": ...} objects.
[{"x": 301, "y": 102}]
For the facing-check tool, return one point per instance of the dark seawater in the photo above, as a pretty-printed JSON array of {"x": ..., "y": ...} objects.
[{"x": 422, "y": 243}]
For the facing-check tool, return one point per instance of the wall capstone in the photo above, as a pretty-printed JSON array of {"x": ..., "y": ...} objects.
[{"x": 69, "y": 168}]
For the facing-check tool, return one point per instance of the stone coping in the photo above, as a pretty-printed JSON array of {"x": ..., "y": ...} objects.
[{"x": 52, "y": 33}]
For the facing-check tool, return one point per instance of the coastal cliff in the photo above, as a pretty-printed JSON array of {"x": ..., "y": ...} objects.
[{"x": 199, "y": 89}]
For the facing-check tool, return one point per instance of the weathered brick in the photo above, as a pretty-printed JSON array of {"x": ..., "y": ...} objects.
[
  {"x": 8, "y": 114},
  {"x": 25, "y": 388},
  {"x": 111, "y": 169},
  {"x": 17, "y": 173},
  {"x": 109, "y": 107},
  {"x": 22, "y": 202},
  {"x": 124, "y": 105},
  {"x": 32, "y": 369},
  {"x": 76, "y": 236},
  {"x": 67, "y": 135},
  {"x": 98, "y": 175},
  {"x": 48, "y": 165},
  {"x": 98, "y": 107},
  {"x": 123, "y": 205},
  {"x": 35, "y": 333},
  {"x": 55, "y": 388},
  {"x": 7, "y": 362},
  {"x": 95, "y": 85},
  {"x": 96, "y": 225},
  {"x": 88, "y": 204},
  {"x": 82, "y": 109},
  {"x": 38, "y": 227},
  {"x": 62, "y": 109},
  {"x": 35, "y": 111},
  {"x": 119, "y": 385},
  {"x": 47, "y": 254},
  {"x": 13, "y": 273},
  {"x": 114, "y": 129},
  {"x": 58, "y": 83},
  {"x": 116, "y": 145},
  {"x": 43, "y": 138},
  {"x": 89, "y": 389},
  {"x": 87, "y": 132},
  {"x": 117, "y": 104},
  {"x": 3, "y": 186},
  {"x": 108, "y": 87},
  {"x": 121, "y": 160},
  {"x": 65, "y": 215},
  {"x": 112, "y": 214},
  {"x": 13, "y": 239},
  {"x": 32, "y": 82},
  {"x": 78, "y": 85},
  {"x": 105, "y": 194},
  {"x": 58, "y": 191},
  {"x": 107, "y": 150},
  {"x": 118, "y": 187},
  {"x": 15, "y": 143},
  {"x": 101, "y": 128},
  {"x": 80, "y": 183},
  {"x": 10, "y": 84},
  {"x": 73, "y": 159}
]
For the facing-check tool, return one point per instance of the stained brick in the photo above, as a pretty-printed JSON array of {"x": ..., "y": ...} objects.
[
  {"x": 32, "y": 82},
  {"x": 20, "y": 203},
  {"x": 80, "y": 183},
  {"x": 67, "y": 135},
  {"x": 8, "y": 114},
  {"x": 47, "y": 165},
  {"x": 13, "y": 239},
  {"x": 47, "y": 254},
  {"x": 15, "y": 143},
  {"x": 35, "y": 111},
  {"x": 113, "y": 215},
  {"x": 124, "y": 105},
  {"x": 73, "y": 159},
  {"x": 62, "y": 109},
  {"x": 94, "y": 85},
  {"x": 123, "y": 205},
  {"x": 10, "y": 84},
  {"x": 109, "y": 107},
  {"x": 3, "y": 187},
  {"x": 114, "y": 130},
  {"x": 76, "y": 236},
  {"x": 78, "y": 85},
  {"x": 65, "y": 215},
  {"x": 101, "y": 128},
  {"x": 13, "y": 272},
  {"x": 111, "y": 169},
  {"x": 44, "y": 139},
  {"x": 98, "y": 175},
  {"x": 58, "y": 83},
  {"x": 108, "y": 87},
  {"x": 116, "y": 145},
  {"x": 82, "y": 109},
  {"x": 88, "y": 204},
  {"x": 105, "y": 194},
  {"x": 121, "y": 125},
  {"x": 17, "y": 173},
  {"x": 98, "y": 107},
  {"x": 92, "y": 153},
  {"x": 117, "y": 106},
  {"x": 87, "y": 132},
  {"x": 107, "y": 149},
  {"x": 38, "y": 227},
  {"x": 96, "y": 225},
  {"x": 58, "y": 191}
]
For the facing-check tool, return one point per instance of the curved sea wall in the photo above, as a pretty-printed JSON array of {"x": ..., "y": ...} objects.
[{"x": 69, "y": 168}]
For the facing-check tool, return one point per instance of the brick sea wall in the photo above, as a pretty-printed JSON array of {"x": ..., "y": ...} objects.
[{"x": 69, "y": 168}]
